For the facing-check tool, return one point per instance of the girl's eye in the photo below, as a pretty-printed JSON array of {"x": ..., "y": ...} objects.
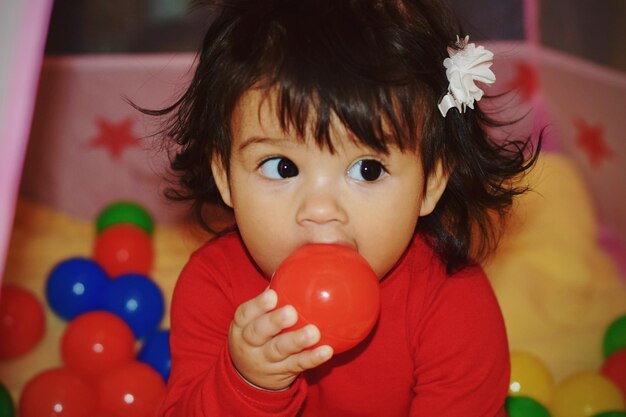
[
  {"x": 278, "y": 168},
  {"x": 367, "y": 170}
]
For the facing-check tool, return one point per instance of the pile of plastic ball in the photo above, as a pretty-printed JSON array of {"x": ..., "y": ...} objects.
[
  {"x": 602, "y": 393},
  {"x": 116, "y": 359}
]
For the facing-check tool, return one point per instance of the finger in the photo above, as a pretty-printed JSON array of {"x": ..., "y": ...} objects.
[
  {"x": 308, "y": 359},
  {"x": 262, "y": 329},
  {"x": 254, "y": 308},
  {"x": 291, "y": 343}
]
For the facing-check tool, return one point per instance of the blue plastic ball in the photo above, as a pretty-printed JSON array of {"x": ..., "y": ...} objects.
[
  {"x": 137, "y": 300},
  {"x": 156, "y": 352},
  {"x": 75, "y": 286}
]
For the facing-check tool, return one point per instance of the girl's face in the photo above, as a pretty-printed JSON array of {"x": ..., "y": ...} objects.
[{"x": 287, "y": 192}]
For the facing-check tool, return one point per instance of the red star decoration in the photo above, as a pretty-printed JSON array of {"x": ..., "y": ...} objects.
[
  {"x": 590, "y": 139},
  {"x": 526, "y": 80},
  {"x": 114, "y": 137}
]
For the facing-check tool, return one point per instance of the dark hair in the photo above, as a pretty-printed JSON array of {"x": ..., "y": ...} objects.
[{"x": 356, "y": 59}]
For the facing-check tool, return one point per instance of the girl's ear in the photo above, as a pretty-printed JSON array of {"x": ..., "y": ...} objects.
[
  {"x": 220, "y": 175},
  {"x": 435, "y": 185}
]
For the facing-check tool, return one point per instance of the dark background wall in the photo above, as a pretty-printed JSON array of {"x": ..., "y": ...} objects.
[{"x": 593, "y": 30}]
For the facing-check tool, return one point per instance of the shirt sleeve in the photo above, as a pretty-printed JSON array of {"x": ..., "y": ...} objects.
[
  {"x": 461, "y": 351},
  {"x": 203, "y": 381}
]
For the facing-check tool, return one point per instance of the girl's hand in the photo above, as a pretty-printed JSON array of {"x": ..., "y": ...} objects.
[{"x": 264, "y": 357}]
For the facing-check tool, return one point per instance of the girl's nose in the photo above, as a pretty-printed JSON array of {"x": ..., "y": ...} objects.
[{"x": 320, "y": 205}]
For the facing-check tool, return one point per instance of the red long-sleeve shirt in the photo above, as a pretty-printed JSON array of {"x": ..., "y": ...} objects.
[{"x": 439, "y": 348}]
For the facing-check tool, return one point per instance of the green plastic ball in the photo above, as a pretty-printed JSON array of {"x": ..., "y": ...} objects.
[
  {"x": 615, "y": 337},
  {"x": 125, "y": 212},
  {"x": 611, "y": 414},
  {"x": 7, "y": 409},
  {"x": 525, "y": 407}
]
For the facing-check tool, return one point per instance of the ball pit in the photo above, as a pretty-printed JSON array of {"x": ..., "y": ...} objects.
[
  {"x": 103, "y": 314},
  {"x": 556, "y": 290},
  {"x": 586, "y": 393},
  {"x": 73, "y": 244}
]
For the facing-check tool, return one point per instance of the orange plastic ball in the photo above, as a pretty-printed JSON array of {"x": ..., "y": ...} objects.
[
  {"x": 131, "y": 390},
  {"x": 95, "y": 342},
  {"x": 332, "y": 287},
  {"x": 530, "y": 377},
  {"x": 22, "y": 321},
  {"x": 124, "y": 249},
  {"x": 585, "y": 394},
  {"x": 57, "y": 392}
]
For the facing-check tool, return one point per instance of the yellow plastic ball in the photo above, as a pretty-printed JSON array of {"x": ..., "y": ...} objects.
[
  {"x": 530, "y": 378},
  {"x": 585, "y": 394}
]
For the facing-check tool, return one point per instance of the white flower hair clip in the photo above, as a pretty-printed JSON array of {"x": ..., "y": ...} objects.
[{"x": 465, "y": 66}]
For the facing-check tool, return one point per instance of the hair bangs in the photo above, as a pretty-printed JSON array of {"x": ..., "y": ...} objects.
[{"x": 327, "y": 72}]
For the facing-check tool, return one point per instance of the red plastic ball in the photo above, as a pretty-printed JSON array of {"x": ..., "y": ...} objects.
[
  {"x": 332, "y": 287},
  {"x": 57, "y": 393},
  {"x": 131, "y": 390},
  {"x": 22, "y": 321},
  {"x": 614, "y": 368},
  {"x": 95, "y": 342},
  {"x": 124, "y": 249}
]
